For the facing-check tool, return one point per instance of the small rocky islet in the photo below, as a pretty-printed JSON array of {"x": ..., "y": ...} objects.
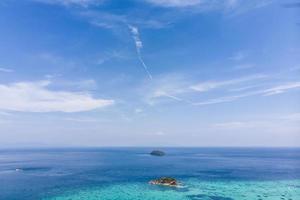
[
  {"x": 157, "y": 153},
  {"x": 165, "y": 181}
]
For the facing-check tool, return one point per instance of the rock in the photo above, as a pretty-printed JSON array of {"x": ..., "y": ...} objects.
[
  {"x": 165, "y": 181},
  {"x": 157, "y": 153}
]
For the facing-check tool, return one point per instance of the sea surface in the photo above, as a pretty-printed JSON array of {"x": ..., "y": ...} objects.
[{"x": 123, "y": 174}]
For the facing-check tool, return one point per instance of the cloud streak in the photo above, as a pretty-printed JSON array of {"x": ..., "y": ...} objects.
[
  {"x": 182, "y": 89},
  {"x": 264, "y": 92},
  {"x": 282, "y": 88},
  {"x": 6, "y": 70},
  {"x": 37, "y": 97},
  {"x": 139, "y": 45},
  {"x": 210, "y": 85},
  {"x": 262, "y": 123}
]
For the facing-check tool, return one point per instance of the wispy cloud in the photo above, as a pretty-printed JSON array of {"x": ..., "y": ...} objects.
[
  {"x": 138, "y": 110},
  {"x": 243, "y": 88},
  {"x": 139, "y": 45},
  {"x": 37, "y": 97},
  {"x": 82, "y": 3},
  {"x": 229, "y": 7},
  {"x": 175, "y": 3},
  {"x": 169, "y": 86},
  {"x": 84, "y": 119},
  {"x": 235, "y": 8},
  {"x": 238, "y": 56},
  {"x": 6, "y": 70},
  {"x": 209, "y": 85},
  {"x": 264, "y": 92},
  {"x": 243, "y": 66},
  {"x": 110, "y": 56},
  {"x": 261, "y": 123},
  {"x": 282, "y": 88},
  {"x": 160, "y": 133},
  {"x": 165, "y": 94},
  {"x": 226, "y": 98},
  {"x": 182, "y": 88},
  {"x": 226, "y": 4},
  {"x": 55, "y": 59},
  {"x": 105, "y": 20},
  {"x": 232, "y": 125},
  {"x": 292, "y": 117},
  {"x": 117, "y": 21}
]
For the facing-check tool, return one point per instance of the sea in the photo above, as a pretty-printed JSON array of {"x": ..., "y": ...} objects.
[{"x": 124, "y": 173}]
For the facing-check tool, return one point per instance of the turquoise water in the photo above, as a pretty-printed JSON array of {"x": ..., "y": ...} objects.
[
  {"x": 124, "y": 173},
  {"x": 193, "y": 190}
]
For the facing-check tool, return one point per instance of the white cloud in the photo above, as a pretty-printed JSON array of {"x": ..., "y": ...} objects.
[
  {"x": 37, "y": 97},
  {"x": 175, "y": 3},
  {"x": 6, "y": 70},
  {"x": 209, "y": 85}
]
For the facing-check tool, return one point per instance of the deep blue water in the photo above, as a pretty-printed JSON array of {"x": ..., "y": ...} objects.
[{"x": 31, "y": 174}]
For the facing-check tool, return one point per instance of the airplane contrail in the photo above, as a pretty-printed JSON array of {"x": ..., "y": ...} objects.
[{"x": 139, "y": 45}]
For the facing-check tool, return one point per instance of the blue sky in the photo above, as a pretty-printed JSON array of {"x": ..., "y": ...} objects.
[{"x": 149, "y": 73}]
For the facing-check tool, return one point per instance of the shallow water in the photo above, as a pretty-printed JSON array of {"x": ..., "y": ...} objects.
[
  {"x": 194, "y": 190},
  {"x": 123, "y": 173}
]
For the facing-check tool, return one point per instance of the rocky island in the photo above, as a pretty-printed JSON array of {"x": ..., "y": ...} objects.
[
  {"x": 157, "y": 153},
  {"x": 165, "y": 181}
]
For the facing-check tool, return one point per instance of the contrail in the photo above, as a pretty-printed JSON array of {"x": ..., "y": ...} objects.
[
  {"x": 139, "y": 45},
  {"x": 178, "y": 99}
]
